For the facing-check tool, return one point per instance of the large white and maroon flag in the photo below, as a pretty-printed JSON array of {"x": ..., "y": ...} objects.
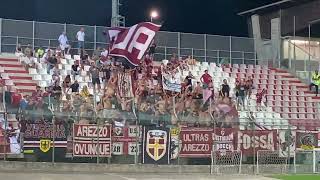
[{"x": 132, "y": 43}]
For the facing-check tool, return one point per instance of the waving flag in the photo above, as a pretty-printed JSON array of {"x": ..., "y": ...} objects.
[{"x": 132, "y": 43}]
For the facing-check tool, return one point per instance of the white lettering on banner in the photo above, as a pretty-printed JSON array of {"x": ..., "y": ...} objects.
[
  {"x": 117, "y": 148},
  {"x": 223, "y": 138},
  {"x": 123, "y": 44},
  {"x": 225, "y": 146},
  {"x": 195, "y": 147},
  {"x": 91, "y": 131},
  {"x": 91, "y": 149},
  {"x": 84, "y": 144},
  {"x": 132, "y": 149},
  {"x": 195, "y": 137},
  {"x": 261, "y": 141},
  {"x": 133, "y": 131},
  {"x": 141, "y": 46},
  {"x": 132, "y": 43}
]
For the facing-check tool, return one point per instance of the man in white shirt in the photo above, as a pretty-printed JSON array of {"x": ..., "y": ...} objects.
[
  {"x": 80, "y": 38},
  {"x": 64, "y": 43}
]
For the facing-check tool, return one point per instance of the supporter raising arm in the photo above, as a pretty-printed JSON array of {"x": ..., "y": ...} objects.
[{"x": 19, "y": 52}]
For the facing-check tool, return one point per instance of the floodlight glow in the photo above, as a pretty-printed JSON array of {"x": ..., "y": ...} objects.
[{"x": 154, "y": 14}]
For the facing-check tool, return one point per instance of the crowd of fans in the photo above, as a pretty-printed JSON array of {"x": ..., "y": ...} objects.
[{"x": 117, "y": 93}]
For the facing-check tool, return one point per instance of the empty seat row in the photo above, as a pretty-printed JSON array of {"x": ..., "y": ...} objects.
[{"x": 286, "y": 103}]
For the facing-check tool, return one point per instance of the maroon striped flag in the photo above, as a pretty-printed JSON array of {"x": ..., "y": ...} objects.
[{"x": 133, "y": 42}]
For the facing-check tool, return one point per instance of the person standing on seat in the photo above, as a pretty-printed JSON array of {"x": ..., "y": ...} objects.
[
  {"x": 315, "y": 81},
  {"x": 225, "y": 89},
  {"x": 80, "y": 37},
  {"x": 64, "y": 43}
]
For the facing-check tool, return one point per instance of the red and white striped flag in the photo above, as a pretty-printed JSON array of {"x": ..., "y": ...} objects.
[{"x": 132, "y": 43}]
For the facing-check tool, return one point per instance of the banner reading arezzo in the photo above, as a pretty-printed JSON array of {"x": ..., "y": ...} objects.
[{"x": 88, "y": 140}]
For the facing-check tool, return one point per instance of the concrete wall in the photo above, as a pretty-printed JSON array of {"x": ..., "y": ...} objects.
[
  {"x": 151, "y": 168},
  {"x": 107, "y": 168}
]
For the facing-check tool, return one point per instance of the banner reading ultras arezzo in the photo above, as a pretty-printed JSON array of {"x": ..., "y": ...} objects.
[
  {"x": 196, "y": 142},
  {"x": 199, "y": 142},
  {"x": 91, "y": 140}
]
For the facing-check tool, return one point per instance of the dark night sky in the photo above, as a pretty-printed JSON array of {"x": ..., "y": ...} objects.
[{"x": 196, "y": 16}]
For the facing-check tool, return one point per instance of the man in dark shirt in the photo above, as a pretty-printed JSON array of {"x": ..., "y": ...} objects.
[
  {"x": 56, "y": 93},
  {"x": 225, "y": 89},
  {"x": 188, "y": 81},
  {"x": 52, "y": 61},
  {"x": 152, "y": 49},
  {"x": 94, "y": 71},
  {"x": 107, "y": 72},
  {"x": 75, "y": 69},
  {"x": 241, "y": 90},
  {"x": 75, "y": 86}
]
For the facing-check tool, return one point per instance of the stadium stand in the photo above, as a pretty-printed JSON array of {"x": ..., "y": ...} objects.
[
  {"x": 14, "y": 74},
  {"x": 286, "y": 94},
  {"x": 288, "y": 100}
]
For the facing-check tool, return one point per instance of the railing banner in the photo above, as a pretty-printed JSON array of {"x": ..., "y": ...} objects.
[{"x": 86, "y": 142}]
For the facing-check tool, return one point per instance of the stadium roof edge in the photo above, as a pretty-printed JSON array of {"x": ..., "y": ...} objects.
[{"x": 265, "y": 7}]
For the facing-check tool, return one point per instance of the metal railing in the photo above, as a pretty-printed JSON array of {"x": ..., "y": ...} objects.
[
  {"x": 300, "y": 61},
  {"x": 209, "y": 48}
]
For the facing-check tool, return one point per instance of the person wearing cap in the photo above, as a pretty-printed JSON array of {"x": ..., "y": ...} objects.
[{"x": 315, "y": 81}]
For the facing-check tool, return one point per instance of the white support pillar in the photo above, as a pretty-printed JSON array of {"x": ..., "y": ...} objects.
[
  {"x": 257, "y": 163},
  {"x": 314, "y": 161},
  {"x": 294, "y": 162},
  {"x": 243, "y": 57},
  {"x": 179, "y": 44},
  {"x": 205, "y": 47},
  {"x": 95, "y": 37},
  {"x": 230, "y": 48},
  {"x": 0, "y": 35},
  {"x": 65, "y": 27},
  {"x": 115, "y": 13},
  {"x": 240, "y": 166},
  {"x": 33, "y": 34}
]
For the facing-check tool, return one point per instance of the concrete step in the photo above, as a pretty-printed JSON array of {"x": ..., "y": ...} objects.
[
  {"x": 9, "y": 59},
  {"x": 26, "y": 91},
  {"x": 8, "y": 55},
  {"x": 25, "y": 84},
  {"x": 26, "y": 87},
  {"x": 16, "y": 68},
  {"x": 283, "y": 74},
  {"x": 23, "y": 81},
  {"x": 10, "y": 62},
  {"x": 13, "y": 77},
  {"x": 19, "y": 74},
  {"x": 11, "y": 65},
  {"x": 16, "y": 71},
  {"x": 290, "y": 79},
  {"x": 299, "y": 85},
  {"x": 303, "y": 89}
]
